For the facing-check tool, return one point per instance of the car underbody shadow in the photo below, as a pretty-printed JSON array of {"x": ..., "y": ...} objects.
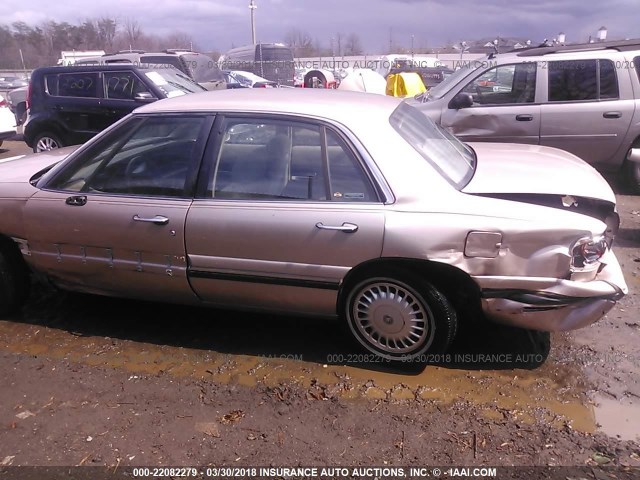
[{"x": 478, "y": 345}]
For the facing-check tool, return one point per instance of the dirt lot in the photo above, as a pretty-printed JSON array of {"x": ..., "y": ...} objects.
[{"x": 96, "y": 381}]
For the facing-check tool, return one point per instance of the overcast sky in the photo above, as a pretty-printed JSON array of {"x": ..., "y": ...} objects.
[{"x": 217, "y": 24}]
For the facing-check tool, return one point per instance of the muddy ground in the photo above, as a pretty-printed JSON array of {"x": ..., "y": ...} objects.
[{"x": 94, "y": 381}]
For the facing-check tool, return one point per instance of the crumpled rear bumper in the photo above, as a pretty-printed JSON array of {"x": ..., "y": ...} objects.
[{"x": 551, "y": 304}]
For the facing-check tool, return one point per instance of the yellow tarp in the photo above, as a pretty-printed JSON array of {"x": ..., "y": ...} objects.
[{"x": 405, "y": 84}]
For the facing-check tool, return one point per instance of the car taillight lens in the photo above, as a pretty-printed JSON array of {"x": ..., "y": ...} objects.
[
  {"x": 588, "y": 251},
  {"x": 3, "y": 102}
]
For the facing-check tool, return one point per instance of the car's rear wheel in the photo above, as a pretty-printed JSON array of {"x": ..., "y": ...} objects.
[
  {"x": 400, "y": 316},
  {"x": 14, "y": 279},
  {"x": 46, "y": 141}
]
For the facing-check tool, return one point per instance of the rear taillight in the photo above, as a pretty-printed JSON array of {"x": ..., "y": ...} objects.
[
  {"x": 3, "y": 102},
  {"x": 28, "y": 101}
]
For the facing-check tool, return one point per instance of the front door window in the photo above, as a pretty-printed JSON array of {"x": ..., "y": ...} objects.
[
  {"x": 154, "y": 158},
  {"x": 505, "y": 84}
]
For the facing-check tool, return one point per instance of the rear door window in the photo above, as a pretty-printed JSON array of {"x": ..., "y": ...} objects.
[
  {"x": 582, "y": 80},
  {"x": 84, "y": 85},
  {"x": 268, "y": 159}
]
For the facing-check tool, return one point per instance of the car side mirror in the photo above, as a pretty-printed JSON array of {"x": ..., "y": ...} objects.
[
  {"x": 144, "y": 97},
  {"x": 461, "y": 100}
]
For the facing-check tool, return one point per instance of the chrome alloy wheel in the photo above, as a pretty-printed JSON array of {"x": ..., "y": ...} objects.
[
  {"x": 46, "y": 143},
  {"x": 392, "y": 318}
]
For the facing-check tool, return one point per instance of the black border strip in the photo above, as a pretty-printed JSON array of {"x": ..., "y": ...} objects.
[{"x": 240, "y": 277}]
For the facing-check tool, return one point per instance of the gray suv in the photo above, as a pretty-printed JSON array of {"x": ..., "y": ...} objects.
[{"x": 584, "y": 99}]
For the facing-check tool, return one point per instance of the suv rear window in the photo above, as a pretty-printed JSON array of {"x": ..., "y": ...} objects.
[{"x": 580, "y": 80}]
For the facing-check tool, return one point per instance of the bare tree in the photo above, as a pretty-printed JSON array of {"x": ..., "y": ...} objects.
[
  {"x": 339, "y": 44},
  {"x": 179, "y": 39},
  {"x": 132, "y": 32},
  {"x": 300, "y": 42},
  {"x": 353, "y": 45},
  {"x": 107, "y": 29}
]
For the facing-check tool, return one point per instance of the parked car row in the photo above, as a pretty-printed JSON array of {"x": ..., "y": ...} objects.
[
  {"x": 333, "y": 204},
  {"x": 11, "y": 82}
]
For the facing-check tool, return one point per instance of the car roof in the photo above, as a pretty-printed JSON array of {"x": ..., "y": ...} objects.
[
  {"x": 96, "y": 68},
  {"x": 568, "y": 52},
  {"x": 614, "y": 45},
  {"x": 342, "y": 106}
]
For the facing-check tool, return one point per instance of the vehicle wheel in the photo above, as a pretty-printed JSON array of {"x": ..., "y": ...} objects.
[
  {"x": 46, "y": 141},
  {"x": 400, "y": 317},
  {"x": 631, "y": 176},
  {"x": 14, "y": 280}
]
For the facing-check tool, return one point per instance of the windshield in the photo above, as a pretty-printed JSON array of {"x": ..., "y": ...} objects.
[
  {"x": 449, "y": 156},
  {"x": 442, "y": 88},
  {"x": 173, "y": 82},
  {"x": 202, "y": 67}
]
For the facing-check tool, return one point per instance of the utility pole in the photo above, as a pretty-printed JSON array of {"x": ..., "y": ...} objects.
[
  {"x": 22, "y": 59},
  {"x": 252, "y": 7}
]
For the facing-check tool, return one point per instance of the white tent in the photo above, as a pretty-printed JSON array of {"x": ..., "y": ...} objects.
[{"x": 364, "y": 80}]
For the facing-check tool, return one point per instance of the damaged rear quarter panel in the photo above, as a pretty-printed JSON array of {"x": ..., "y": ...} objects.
[{"x": 536, "y": 247}]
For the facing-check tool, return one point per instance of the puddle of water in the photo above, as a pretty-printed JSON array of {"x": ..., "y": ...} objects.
[
  {"x": 618, "y": 418},
  {"x": 522, "y": 393}
]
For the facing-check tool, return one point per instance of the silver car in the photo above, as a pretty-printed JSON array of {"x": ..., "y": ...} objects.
[
  {"x": 584, "y": 99},
  {"x": 307, "y": 202}
]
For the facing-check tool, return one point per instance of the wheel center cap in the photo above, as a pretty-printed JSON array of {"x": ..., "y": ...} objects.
[{"x": 388, "y": 320}]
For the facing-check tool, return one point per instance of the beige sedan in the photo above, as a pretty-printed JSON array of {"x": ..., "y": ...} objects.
[{"x": 316, "y": 203}]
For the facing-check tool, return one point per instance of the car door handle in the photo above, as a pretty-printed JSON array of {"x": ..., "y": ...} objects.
[
  {"x": 524, "y": 118},
  {"x": 158, "y": 219},
  {"x": 345, "y": 227},
  {"x": 76, "y": 200},
  {"x": 612, "y": 114}
]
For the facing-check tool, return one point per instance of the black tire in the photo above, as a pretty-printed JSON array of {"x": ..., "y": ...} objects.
[
  {"x": 399, "y": 316},
  {"x": 631, "y": 176},
  {"x": 14, "y": 279},
  {"x": 46, "y": 138},
  {"x": 321, "y": 80}
]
